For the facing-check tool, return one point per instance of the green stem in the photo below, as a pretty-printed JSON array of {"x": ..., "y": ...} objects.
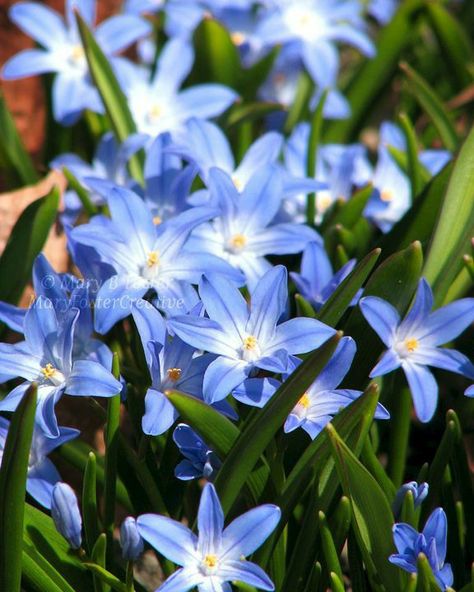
[{"x": 399, "y": 434}]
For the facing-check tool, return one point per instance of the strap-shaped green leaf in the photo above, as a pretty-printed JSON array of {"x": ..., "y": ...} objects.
[{"x": 13, "y": 473}]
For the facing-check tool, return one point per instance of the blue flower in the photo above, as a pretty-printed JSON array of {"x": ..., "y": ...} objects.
[
  {"x": 63, "y": 53},
  {"x": 431, "y": 542},
  {"x": 200, "y": 460},
  {"x": 42, "y": 475},
  {"x": 181, "y": 16},
  {"x": 317, "y": 281},
  {"x": 217, "y": 555},
  {"x": 172, "y": 365},
  {"x": 158, "y": 105},
  {"x": 247, "y": 338},
  {"x": 469, "y": 392},
  {"x": 419, "y": 493},
  {"x": 46, "y": 357},
  {"x": 146, "y": 257},
  {"x": 243, "y": 232},
  {"x": 314, "y": 26},
  {"x": 66, "y": 515},
  {"x": 382, "y": 10},
  {"x": 413, "y": 343},
  {"x": 130, "y": 539}
]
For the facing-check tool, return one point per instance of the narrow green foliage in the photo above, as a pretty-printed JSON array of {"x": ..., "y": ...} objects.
[{"x": 90, "y": 516}]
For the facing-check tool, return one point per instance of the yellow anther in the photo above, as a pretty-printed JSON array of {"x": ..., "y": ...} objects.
[
  {"x": 411, "y": 344},
  {"x": 157, "y": 220},
  {"x": 324, "y": 201},
  {"x": 155, "y": 112},
  {"x": 48, "y": 371},
  {"x": 238, "y": 38},
  {"x": 210, "y": 561},
  {"x": 305, "y": 401},
  {"x": 77, "y": 53},
  {"x": 250, "y": 343},
  {"x": 174, "y": 374},
  {"x": 237, "y": 183},
  {"x": 238, "y": 241},
  {"x": 153, "y": 258},
  {"x": 386, "y": 195}
]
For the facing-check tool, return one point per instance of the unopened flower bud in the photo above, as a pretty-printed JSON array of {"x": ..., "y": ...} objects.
[
  {"x": 66, "y": 514},
  {"x": 130, "y": 539}
]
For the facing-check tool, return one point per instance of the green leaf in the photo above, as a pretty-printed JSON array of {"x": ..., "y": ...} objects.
[
  {"x": 415, "y": 172},
  {"x": 455, "y": 226},
  {"x": 114, "y": 99},
  {"x": 426, "y": 581},
  {"x": 41, "y": 575},
  {"x": 395, "y": 280},
  {"x": 331, "y": 555},
  {"x": 82, "y": 193},
  {"x": 12, "y": 149},
  {"x": 332, "y": 310},
  {"x": 304, "y": 90},
  {"x": 247, "y": 112},
  {"x": 433, "y": 106},
  {"x": 98, "y": 557},
  {"x": 106, "y": 577},
  {"x": 371, "y": 512},
  {"x": 303, "y": 307},
  {"x": 313, "y": 142},
  {"x": 89, "y": 503},
  {"x": 418, "y": 222},
  {"x": 336, "y": 582},
  {"x": 350, "y": 211},
  {"x": 456, "y": 46},
  {"x": 26, "y": 241},
  {"x": 48, "y": 547},
  {"x": 260, "y": 428},
  {"x": 13, "y": 473},
  {"x": 373, "y": 77}
]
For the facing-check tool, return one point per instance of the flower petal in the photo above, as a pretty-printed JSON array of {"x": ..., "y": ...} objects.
[
  {"x": 159, "y": 413},
  {"x": 41, "y": 23},
  {"x": 247, "y": 572},
  {"x": 381, "y": 316},
  {"x": 210, "y": 521},
  {"x": 301, "y": 335},
  {"x": 388, "y": 362},
  {"x": 29, "y": 62},
  {"x": 170, "y": 538},
  {"x": 448, "y": 322},
  {"x": 424, "y": 390},
  {"x": 91, "y": 379},
  {"x": 250, "y": 530},
  {"x": 119, "y": 31},
  {"x": 436, "y": 527},
  {"x": 222, "y": 376}
]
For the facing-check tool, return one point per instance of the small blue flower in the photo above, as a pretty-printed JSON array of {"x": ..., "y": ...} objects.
[
  {"x": 317, "y": 281},
  {"x": 217, "y": 555},
  {"x": 419, "y": 493},
  {"x": 382, "y": 10},
  {"x": 247, "y": 338},
  {"x": 242, "y": 233},
  {"x": 173, "y": 364},
  {"x": 469, "y": 392},
  {"x": 63, "y": 54},
  {"x": 130, "y": 539},
  {"x": 42, "y": 475},
  {"x": 158, "y": 105},
  {"x": 66, "y": 515},
  {"x": 46, "y": 357},
  {"x": 146, "y": 257},
  {"x": 431, "y": 542},
  {"x": 200, "y": 460},
  {"x": 413, "y": 343}
]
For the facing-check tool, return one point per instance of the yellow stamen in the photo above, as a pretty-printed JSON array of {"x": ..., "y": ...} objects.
[
  {"x": 77, "y": 53},
  {"x": 210, "y": 561},
  {"x": 155, "y": 112},
  {"x": 174, "y": 374},
  {"x": 411, "y": 344},
  {"x": 324, "y": 201},
  {"x": 157, "y": 220},
  {"x": 238, "y": 241},
  {"x": 238, "y": 183},
  {"x": 48, "y": 371},
  {"x": 153, "y": 258},
  {"x": 250, "y": 343},
  {"x": 305, "y": 401},
  {"x": 238, "y": 38},
  {"x": 386, "y": 195}
]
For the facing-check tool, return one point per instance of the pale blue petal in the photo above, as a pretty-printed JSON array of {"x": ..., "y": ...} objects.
[
  {"x": 89, "y": 378},
  {"x": 18, "y": 360},
  {"x": 40, "y": 482},
  {"x": 222, "y": 376},
  {"x": 210, "y": 521},
  {"x": 337, "y": 367},
  {"x": 41, "y": 327},
  {"x": 268, "y": 303},
  {"x": 29, "y": 62},
  {"x": 446, "y": 359},
  {"x": 41, "y": 23},
  {"x": 388, "y": 362},
  {"x": 301, "y": 335},
  {"x": 448, "y": 322},
  {"x": 420, "y": 310},
  {"x": 202, "y": 333},
  {"x": 381, "y": 316},
  {"x": 150, "y": 324},
  {"x": 247, "y": 572},
  {"x": 256, "y": 391},
  {"x": 424, "y": 390},
  {"x": 469, "y": 392},
  {"x": 12, "y": 316},
  {"x": 404, "y": 537},
  {"x": 260, "y": 200},
  {"x": 249, "y": 531},
  {"x": 119, "y": 31},
  {"x": 174, "y": 64},
  {"x": 170, "y": 538},
  {"x": 322, "y": 62},
  {"x": 159, "y": 413},
  {"x": 182, "y": 580},
  {"x": 204, "y": 100},
  {"x": 437, "y": 527},
  {"x": 282, "y": 239},
  {"x": 191, "y": 265},
  {"x": 348, "y": 34},
  {"x": 263, "y": 151},
  {"x": 316, "y": 266},
  {"x": 406, "y": 562},
  {"x": 12, "y": 400}
]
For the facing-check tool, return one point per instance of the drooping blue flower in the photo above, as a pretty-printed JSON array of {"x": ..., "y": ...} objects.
[
  {"x": 158, "y": 105},
  {"x": 431, "y": 541},
  {"x": 42, "y": 475},
  {"x": 419, "y": 493},
  {"x": 46, "y": 357},
  {"x": 413, "y": 343},
  {"x": 246, "y": 338},
  {"x": 314, "y": 27},
  {"x": 317, "y": 281},
  {"x": 199, "y": 461},
  {"x": 173, "y": 364},
  {"x": 130, "y": 539},
  {"x": 242, "y": 233},
  {"x": 146, "y": 257},
  {"x": 63, "y": 54},
  {"x": 66, "y": 515},
  {"x": 217, "y": 555}
]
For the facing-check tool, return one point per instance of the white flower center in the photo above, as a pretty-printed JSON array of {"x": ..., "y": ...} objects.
[
  {"x": 152, "y": 265},
  {"x": 209, "y": 564},
  {"x": 407, "y": 346},
  {"x": 51, "y": 375},
  {"x": 77, "y": 57},
  {"x": 304, "y": 22},
  {"x": 251, "y": 349},
  {"x": 236, "y": 243}
]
